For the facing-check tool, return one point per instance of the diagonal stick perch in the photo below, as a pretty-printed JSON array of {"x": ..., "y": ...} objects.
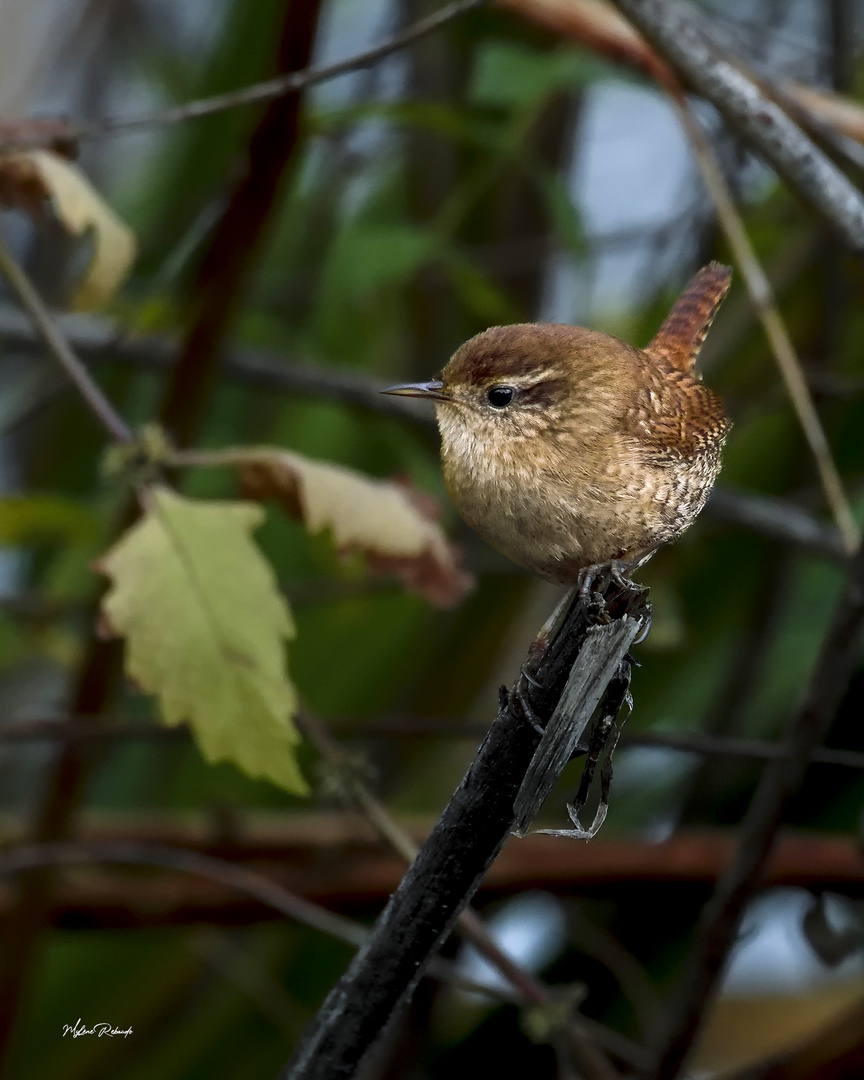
[{"x": 471, "y": 832}]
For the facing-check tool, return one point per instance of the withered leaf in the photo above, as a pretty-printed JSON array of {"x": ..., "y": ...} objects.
[
  {"x": 385, "y": 520},
  {"x": 33, "y": 179}
]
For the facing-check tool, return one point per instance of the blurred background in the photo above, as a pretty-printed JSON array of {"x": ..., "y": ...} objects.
[{"x": 294, "y": 258}]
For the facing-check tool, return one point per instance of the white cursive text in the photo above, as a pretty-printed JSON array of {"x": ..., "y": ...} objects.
[{"x": 78, "y": 1028}]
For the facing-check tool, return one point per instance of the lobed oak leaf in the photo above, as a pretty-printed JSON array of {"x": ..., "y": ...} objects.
[
  {"x": 29, "y": 179},
  {"x": 388, "y": 522},
  {"x": 205, "y": 629}
]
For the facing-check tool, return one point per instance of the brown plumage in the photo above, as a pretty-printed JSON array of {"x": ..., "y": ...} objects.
[{"x": 567, "y": 449}]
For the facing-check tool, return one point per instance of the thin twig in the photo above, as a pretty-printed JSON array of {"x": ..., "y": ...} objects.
[
  {"x": 103, "y": 342},
  {"x": 59, "y": 348},
  {"x": 258, "y": 93},
  {"x": 759, "y": 288},
  {"x": 721, "y": 917}
]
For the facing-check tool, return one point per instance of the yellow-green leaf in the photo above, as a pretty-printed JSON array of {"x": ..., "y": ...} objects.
[{"x": 205, "y": 629}]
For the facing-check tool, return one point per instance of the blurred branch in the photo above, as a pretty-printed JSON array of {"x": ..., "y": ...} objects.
[
  {"x": 99, "y": 341},
  {"x": 687, "y": 742},
  {"x": 828, "y": 118},
  {"x": 697, "y": 742},
  {"x": 31, "y": 856},
  {"x": 332, "y": 859},
  {"x": 680, "y": 49},
  {"x": 268, "y": 90},
  {"x": 219, "y": 871},
  {"x": 759, "y": 288},
  {"x": 721, "y": 918},
  {"x": 117, "y": 729},
  {"x": 58, "y": 346},
  {"x": 235, "y": 242},
  {"x": 835, "y": 121},
  {"x": 683, "y": 44},
  {"x": 776, "y": 518}
]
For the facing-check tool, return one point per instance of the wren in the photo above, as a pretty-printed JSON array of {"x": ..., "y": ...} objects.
[{"x": 568, "y": 449}]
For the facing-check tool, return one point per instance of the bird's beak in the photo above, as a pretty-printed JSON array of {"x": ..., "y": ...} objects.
[{"x": 432, "y": 389}]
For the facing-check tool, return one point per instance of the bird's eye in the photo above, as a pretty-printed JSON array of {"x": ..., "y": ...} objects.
[{"x": 500, "y": 396}]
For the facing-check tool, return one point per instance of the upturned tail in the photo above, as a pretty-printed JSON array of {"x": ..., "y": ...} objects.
[{"x": 680, "y": 338}]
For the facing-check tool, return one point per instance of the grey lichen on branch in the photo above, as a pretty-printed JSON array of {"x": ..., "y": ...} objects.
[{"x": 471, "y": 831}]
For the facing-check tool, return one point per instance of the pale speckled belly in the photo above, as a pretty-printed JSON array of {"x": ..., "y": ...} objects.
[{"x": 555, "y": 530}]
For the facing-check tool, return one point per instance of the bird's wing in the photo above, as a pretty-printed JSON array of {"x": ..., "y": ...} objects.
[
  {"x": 675, "y": 417},
  {"x": 680, "y": 338}
]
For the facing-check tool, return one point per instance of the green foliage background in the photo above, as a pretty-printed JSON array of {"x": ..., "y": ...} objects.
[{"x": 397, "y": 235}]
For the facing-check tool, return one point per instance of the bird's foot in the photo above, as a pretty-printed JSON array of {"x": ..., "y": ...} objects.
[
  {"x": 617, "y": 571},
  {"x": 523, "y": 696}
]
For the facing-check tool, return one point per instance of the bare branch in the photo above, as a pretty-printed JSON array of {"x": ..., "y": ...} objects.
[
  {"x": 763, "y": 124},
  {"x": 700, "y": 742},
  {"x": 531, "y": 990},
  {"x": 836, "y": 121},
  {"x": 256, "y": 94},
  {"x": 103, "y": 342},
  {"x": 687, "y": 742},
  {"x": 59, "y": 348}
]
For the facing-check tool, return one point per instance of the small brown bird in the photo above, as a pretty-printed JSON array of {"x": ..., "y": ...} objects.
[{"x": 568, "y": 449}]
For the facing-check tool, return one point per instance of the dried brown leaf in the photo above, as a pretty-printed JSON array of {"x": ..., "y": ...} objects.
[
  {"x": 30, "y": 179},
  {"x": 388, "y": 522}
]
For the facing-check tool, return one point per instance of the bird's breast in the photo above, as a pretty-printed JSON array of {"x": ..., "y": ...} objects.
[{"x": 556, "y": 509}]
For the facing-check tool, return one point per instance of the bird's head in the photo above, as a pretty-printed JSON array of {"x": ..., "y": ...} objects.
[{"x": 514, "y": 383}]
